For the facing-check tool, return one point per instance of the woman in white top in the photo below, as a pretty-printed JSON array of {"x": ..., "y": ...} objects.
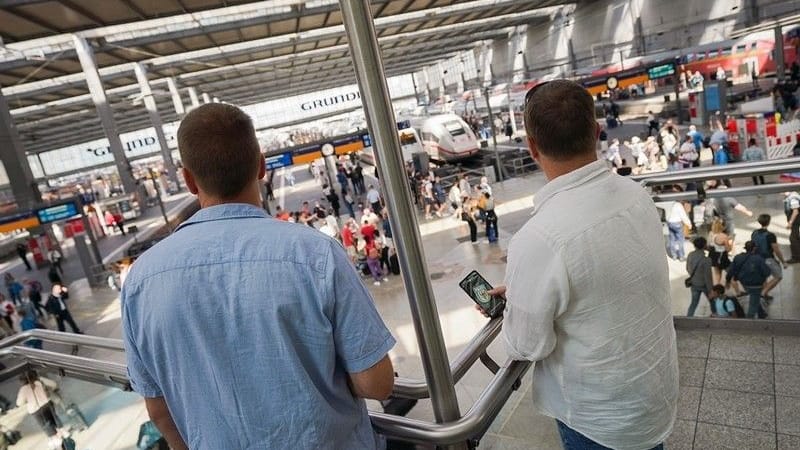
[
  {"x": 676, "y": 219},
  {"x": 35, "y": 395},
  {"x": 719, "y": 247}
]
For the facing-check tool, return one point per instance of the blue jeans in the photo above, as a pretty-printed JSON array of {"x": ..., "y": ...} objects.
[
  {"x": 572, "y": 440},
  {"x": 676, "y": 240},
  {"x": 696, "y": 292},
  {"x": 754, "y": 308}
]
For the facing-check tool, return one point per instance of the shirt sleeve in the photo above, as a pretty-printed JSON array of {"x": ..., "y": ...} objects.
[
  {"x": 360, "y": 336},
  {"x": 537, "y": 292},
  {"x": 729, "y": 306},
  {"x": 141, "y": 380}
]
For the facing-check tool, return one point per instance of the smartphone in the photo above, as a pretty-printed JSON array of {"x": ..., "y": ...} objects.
[{"x": 477, "y": 288}]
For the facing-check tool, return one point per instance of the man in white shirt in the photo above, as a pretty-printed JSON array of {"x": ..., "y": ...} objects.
[
  {"x": 374, "y": 198},
  {"x": 606, "y": 360}
]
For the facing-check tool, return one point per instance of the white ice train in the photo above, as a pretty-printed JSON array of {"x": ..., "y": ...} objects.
[
  {"x": 409, "y": 142},
  {"x": 446, "y": 137}
]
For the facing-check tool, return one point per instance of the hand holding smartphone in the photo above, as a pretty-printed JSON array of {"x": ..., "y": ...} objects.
[{"x": 477, "y": 288}]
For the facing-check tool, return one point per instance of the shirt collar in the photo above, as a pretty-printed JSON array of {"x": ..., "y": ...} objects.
[
  {"x": 223, "y": 212},
  {"x": 569, "y": 181}
]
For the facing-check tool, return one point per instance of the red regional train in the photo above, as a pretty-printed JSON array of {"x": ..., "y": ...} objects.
[{"x": 738, "y": 57}]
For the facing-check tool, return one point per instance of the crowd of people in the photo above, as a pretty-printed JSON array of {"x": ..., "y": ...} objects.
[{"x": 28, "y": 306}]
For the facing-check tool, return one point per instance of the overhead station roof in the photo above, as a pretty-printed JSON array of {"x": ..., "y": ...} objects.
[{"x": 238, "y": 50}]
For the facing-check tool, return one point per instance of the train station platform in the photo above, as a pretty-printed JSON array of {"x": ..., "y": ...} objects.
[{"x": 736, "y": 386}]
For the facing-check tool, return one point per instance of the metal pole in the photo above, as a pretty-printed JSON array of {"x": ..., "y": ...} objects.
[
  {"x": 155, "y": 120},
  {"x": 86, "y": 57},
  {"x": 158, "y": 195},
  {"x": 494, "y": 136},
  {"x": 676, "y": 80},
  {"x": 176, "y": 97},
  {"x": 89, "y": 232},
  {"x": 193, "y": 97},
  {"x": 780, "y": 67},
  {"x": 369, "y": 71}
]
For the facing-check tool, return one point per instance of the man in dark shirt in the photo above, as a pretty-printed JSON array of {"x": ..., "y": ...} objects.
[
  {"x": 751, "y": 271},
  {"x": 767, "y": 246},
  {"x": 698, "y": 265}
]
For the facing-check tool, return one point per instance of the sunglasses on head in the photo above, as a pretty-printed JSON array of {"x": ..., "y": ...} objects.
[{"x": 529, "y": 95}]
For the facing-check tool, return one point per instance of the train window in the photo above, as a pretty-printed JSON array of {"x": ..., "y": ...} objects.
[
  {"x": 726, "y": 51},
  {"x": 741, "y": 48},
  {"x": 701, "y": 56},
  {"x": 713, "y": 54},
  {"x": 455, "y": 128}
]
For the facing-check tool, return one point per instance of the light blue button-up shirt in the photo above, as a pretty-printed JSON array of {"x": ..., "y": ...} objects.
[{"x": 248, "y": 326}]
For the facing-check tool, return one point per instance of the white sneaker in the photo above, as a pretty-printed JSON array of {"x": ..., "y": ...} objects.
[
  {"x": 385, "y": 279},
  {"x": 377, "y": 283}
]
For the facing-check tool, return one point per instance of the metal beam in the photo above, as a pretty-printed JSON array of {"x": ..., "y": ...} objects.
[
  {"x": 106, "y": 115},
  {"x": 272, "y": 61},
  {"x": 155, "y": 120},
  {"x": 235, "y": 49},
  {"x": 15, "y": 162}
]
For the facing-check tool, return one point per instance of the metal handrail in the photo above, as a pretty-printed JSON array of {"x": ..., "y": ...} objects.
[
  {"x": 729, "y": 192},
  {"x": 58, "y": 337},
  {"x": 726, "y": 171},
  {"x": 403, "y": 387},
  {"x": 80, "y": 367},
  {"x": 704, "y": 169},
  {"x": 474, "y": 423},
  {"x": 418, "y": 389}
]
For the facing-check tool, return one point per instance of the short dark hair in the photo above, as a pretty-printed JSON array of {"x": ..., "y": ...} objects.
[
  {"x": 559, "y": 117},
  {"x": 699, "y": 243},
  {"x": 752, "y": 141},
  {"x": 749, "y": 246},
  {"x": 764, "y": 219},
  {"x": 718, "y": 289},
  {"x": 218, "y": 145}
]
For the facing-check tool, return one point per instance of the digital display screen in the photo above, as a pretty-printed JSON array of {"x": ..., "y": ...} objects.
[
  {"x": 661, "y": 71},
  {"x": 57, "y": 212}
]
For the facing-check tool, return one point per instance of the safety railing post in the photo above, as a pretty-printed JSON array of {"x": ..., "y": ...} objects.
[{"x": 369, "y": 70}]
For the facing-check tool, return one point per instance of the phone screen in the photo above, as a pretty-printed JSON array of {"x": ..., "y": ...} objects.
[{"x": 477, "y": 288}]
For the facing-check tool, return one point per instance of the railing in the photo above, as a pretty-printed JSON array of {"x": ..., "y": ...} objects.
[
  {"x": 704, "y": 169},
  {"x": 469, "y": 427},
  {"x": 734, "y": 170}
]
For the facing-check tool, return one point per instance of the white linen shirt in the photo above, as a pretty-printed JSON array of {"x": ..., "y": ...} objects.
[{"x": 589, "y": 300}]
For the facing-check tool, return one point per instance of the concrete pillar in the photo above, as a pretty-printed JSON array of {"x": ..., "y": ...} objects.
[
  {"x": 176, "y": 97},
  {"x": 206, "y": 98},
  {"x": 25, "y": 190},
  {"x": 86, "y": 57},
  {"x": 780, "y": 66},
  {"x": 193, "y": 97},
  {"x": 155, "y": 120}
]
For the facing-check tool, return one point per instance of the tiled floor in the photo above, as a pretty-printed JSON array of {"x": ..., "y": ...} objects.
[{"x": 737, "y": 391}]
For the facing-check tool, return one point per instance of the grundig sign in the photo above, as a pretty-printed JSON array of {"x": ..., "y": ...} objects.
[{"x": 330, "y": 101}]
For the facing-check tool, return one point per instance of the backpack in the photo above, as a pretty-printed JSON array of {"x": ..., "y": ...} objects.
[
  {"x": 736, "y": 306},
  {"x": 759, "y": 238}
]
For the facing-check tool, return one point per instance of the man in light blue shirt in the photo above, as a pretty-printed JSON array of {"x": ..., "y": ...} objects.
[
  {"x": 246, "y": 332},
  {"x": 754, "y": 153}
]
